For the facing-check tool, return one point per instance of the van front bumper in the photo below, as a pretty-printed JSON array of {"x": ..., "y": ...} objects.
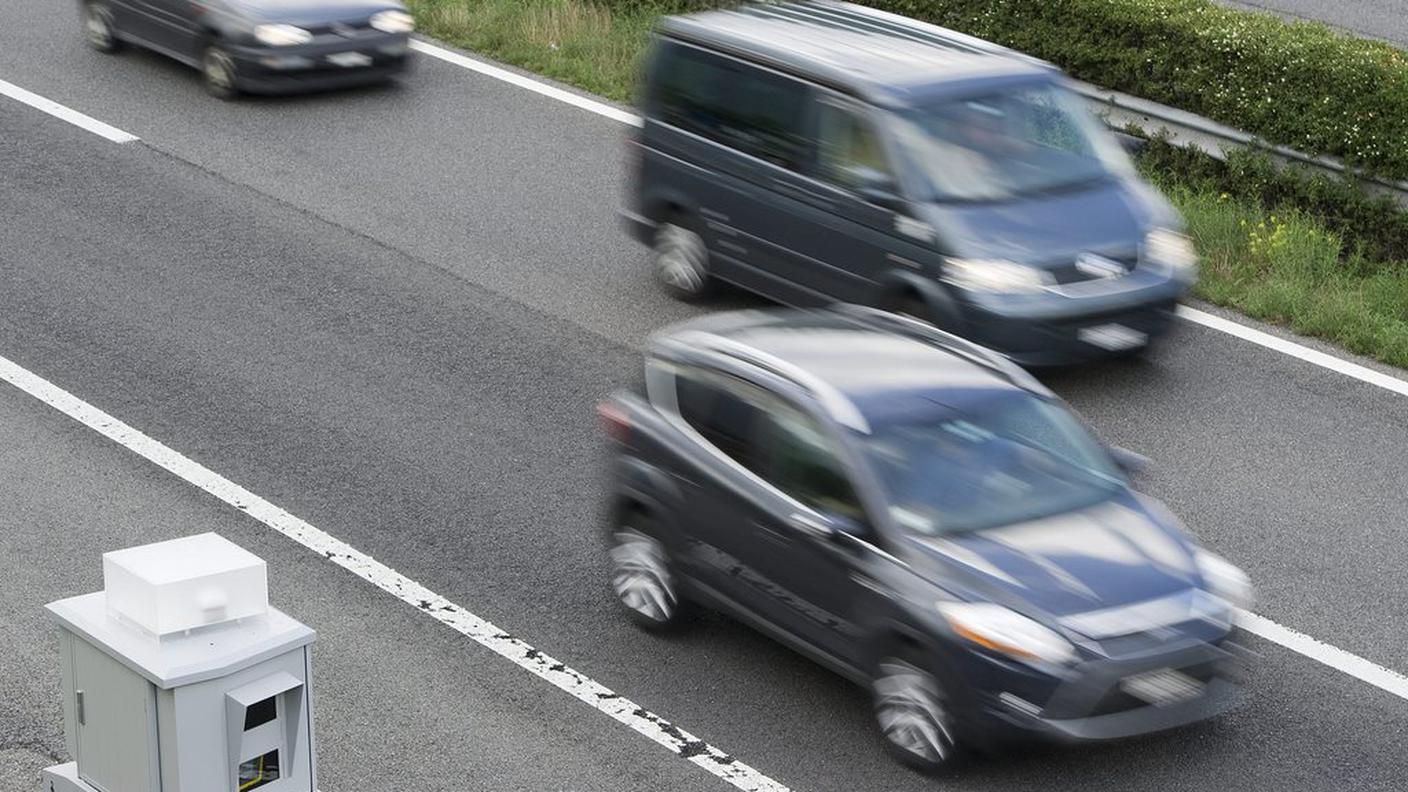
[{"x": 1052, "y": 329}]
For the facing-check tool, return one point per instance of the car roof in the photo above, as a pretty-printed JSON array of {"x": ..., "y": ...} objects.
[
  {"x": 861, "y": 364},
  {"x": 883, "y": 58}
]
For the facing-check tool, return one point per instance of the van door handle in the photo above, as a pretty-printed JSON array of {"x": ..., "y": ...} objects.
[{"x": 792, "y": 189}]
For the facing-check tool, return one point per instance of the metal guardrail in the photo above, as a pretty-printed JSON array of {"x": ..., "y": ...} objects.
[{"x": 1187, "y": 130}]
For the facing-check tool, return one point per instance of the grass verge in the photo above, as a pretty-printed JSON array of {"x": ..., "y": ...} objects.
[{"x": 1280, "y": 265}]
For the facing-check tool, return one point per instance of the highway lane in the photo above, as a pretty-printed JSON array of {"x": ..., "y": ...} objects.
[
  {"x": 447, "y": 429},
  {"x": 399, "y": 705},
  {"x": 1290, "y": 469},
  {"x": 1381, "y": 19}
]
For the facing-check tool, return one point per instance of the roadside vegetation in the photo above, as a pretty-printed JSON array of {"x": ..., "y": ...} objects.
[{"x": 1313, "y": 254}]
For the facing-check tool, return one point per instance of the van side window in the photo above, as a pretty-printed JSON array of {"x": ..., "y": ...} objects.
[
  {"x": 743, "y": 107},
  {"x": 849, "y": 154},
  {"x": 720, "y": 409}
]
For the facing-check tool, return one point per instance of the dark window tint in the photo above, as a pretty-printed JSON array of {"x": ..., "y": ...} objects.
[
  {"x": 754, "y": 111},
  {"x": 849, "y": 153},
  {"x": 260, "y": 713},
  {"x": 805, "y": 466},
  {"x": 719, "y": 408}
]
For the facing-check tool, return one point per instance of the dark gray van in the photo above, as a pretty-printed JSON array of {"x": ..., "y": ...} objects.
[{"x": 822, "y": 151}]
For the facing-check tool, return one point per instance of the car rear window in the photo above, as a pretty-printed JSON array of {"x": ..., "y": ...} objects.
[{"x": 741, "y": 106}]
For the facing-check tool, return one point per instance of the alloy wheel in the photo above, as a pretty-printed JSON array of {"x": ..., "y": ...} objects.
[
  {"x": 641, "y": 577},
  {"x": 98, "y": 27},
  {"x": 912, "y": 716},
  {"x": 681, "y": 260}
]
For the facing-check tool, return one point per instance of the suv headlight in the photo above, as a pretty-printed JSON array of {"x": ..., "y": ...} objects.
[
  {"x": 1224, "y": 579},
  {"x": 281, "y": 35},
  {"x": 1172, "y": 251},
  {"x": 393, "y": 22},
  {"x": 1007, "y": 632},
  {"x": 996, "y": 276}
]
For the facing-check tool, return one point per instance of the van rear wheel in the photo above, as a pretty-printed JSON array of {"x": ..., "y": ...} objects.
[
  {"x": 98, "y": 27},
  {"x": 682, "y": 260}
]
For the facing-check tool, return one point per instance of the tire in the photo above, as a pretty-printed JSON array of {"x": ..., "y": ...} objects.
[
  {"x": 99, "y": 28},
  {"x": 218, "y": 72},
  {"x": 914, "y": 715},
  {"x": 681, "y": 261},
  {"x": 642, "y": 576}
]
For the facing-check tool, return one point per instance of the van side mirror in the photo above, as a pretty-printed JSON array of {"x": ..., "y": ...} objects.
[
  {"x": 1131, "y": 463},
  {"x": 874, "y": 187}
]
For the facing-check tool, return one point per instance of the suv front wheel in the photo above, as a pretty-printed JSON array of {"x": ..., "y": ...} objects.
[{"x": 913, "y": 715}]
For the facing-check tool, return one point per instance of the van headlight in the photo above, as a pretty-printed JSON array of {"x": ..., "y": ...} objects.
[
  {"x": 995, "y": 276},
  {"x": 1007, "y": 632},
  {"x": 393, "y": 22},
  {"x": 1172, "y": 251},
  {"x": 281, "y": 35},
  {"x": 1224, "y": 579}
]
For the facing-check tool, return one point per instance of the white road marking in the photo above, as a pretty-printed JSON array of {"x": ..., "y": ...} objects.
[
  {"x": 537, "y": 86},
  {"x": 1331, "y": 362},
  {"x": 1191, "y": 314},
  {"x": 483, "y": 632},
  {"x": 65, "y": 113},
  {"x": 1383, "y": 678}
]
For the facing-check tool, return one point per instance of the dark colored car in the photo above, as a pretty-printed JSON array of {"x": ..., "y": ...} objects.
[
  {"x": 823, "y": 151},
  {"x": 262, "y": 46},
  {"x": 924, "y": 518}
]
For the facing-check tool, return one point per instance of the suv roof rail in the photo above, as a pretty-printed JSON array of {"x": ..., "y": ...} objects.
[
  {"x": 929, "y": 334},
  {"x": 849, "y": 16},
  {"x": 831, "y": 399}
]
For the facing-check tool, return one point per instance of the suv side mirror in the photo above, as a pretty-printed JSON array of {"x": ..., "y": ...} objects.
[
  {"x": 1131, "y": 463},
  {"x": 1133, "y": 144},
  {"x": 830, "y": 526}
]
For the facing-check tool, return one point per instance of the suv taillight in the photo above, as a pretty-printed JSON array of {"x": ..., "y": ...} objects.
[{"x": 615, "y": 421}]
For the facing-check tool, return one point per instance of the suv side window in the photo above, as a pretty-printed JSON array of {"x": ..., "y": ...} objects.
[
  {"x": 741, "y": 106},
  {"x": 723, "y": 410},
  {"x": 848, "y": 147},
  {"x": 804, "y": 465}
]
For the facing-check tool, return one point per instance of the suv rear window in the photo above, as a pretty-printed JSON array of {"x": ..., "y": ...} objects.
[
  {"x": 740, "y": 106},
  {"x": 717, "y": 408}
]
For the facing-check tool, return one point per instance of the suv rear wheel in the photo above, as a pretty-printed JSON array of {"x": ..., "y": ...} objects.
[
  {"x": 98, "y": 27},
  {"x": 913, "y": 714},
  {"x": 681, "y": 260},
  {"x": 641, "y": 575}
]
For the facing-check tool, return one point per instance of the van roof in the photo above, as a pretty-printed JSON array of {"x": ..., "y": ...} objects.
[{"x": 881, "y": 57}]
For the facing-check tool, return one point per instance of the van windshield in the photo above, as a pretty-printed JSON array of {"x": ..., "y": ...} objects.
[{"x": 1002, "y": 145}]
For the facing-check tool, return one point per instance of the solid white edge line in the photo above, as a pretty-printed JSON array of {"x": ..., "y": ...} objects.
[
  {"x": 479, "y": 630},
  {"x": 1285, "y": 347},
  {"x": 65, "y": 113},
  {"x": 1203, "y": 318},
  {"x": 536, "y": 86},
  {"x": 1385, "y": 679}
]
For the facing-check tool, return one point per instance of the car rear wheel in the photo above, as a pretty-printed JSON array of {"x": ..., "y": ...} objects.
[
  {"x": 681, "y": 261},
  {"x": 218, "y": 72},
  {"x": 641, "y": 575},
  {"x": 98, "y": 27},
  {"x": 913, "y": 715}
]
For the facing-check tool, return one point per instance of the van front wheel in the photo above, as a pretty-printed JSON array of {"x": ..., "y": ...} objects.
[{"x": 681, "y": 261}]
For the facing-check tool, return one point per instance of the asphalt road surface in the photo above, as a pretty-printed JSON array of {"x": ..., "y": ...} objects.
[
  {"x": 1382, "y": 19},
  {"x": 391, "y": 312}
]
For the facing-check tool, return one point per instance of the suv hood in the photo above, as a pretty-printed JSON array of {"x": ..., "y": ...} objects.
[
  {"x": 1110, "y": 554},
  {"x": 1108, "y": 217}
]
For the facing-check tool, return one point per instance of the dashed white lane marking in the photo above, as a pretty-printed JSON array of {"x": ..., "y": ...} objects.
[
  {"x": 65, "y": 113},
  {"x": 1383, "y": 678},
  {"x": 483, "y": 632},
  {"x": 1228, "y": 326}
]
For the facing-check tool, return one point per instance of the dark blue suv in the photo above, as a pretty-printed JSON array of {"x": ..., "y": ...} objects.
[
  {"x": 921, "y": 516},
  {"x": 821, "y": 151}
]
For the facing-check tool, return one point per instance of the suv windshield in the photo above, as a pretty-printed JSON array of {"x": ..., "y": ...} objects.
[
  {"x": 988, "y": 458},
  {"x": 1008, "y": 144}
]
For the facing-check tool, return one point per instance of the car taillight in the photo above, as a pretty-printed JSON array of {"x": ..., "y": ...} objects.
[{"x": 615, "y": 421}]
